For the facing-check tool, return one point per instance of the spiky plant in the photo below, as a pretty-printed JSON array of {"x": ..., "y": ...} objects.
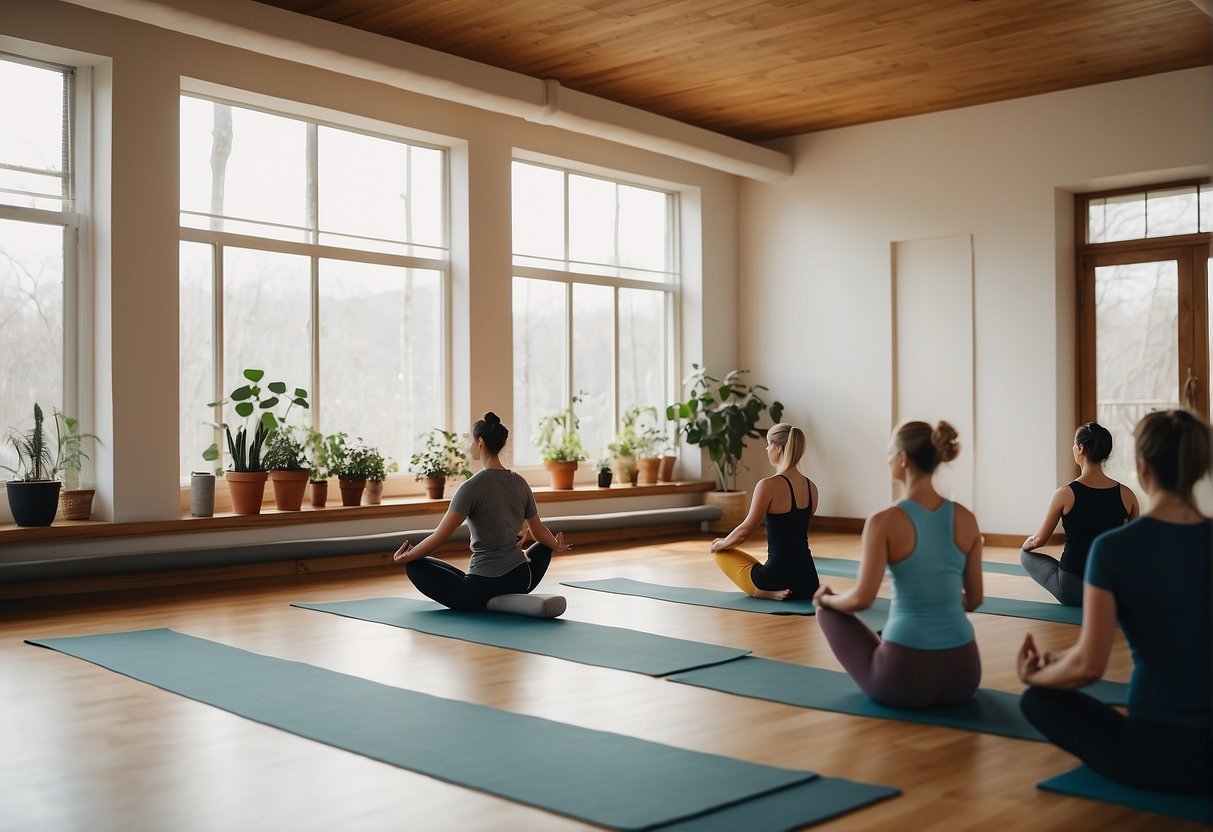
[{"x": 34, "y": 462}]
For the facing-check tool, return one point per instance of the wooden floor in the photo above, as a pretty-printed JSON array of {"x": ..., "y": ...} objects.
[{"x": 83, "y": 748}]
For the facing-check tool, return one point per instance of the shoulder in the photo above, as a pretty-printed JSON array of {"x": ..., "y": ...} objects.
[{"x": 888, "y": 518}]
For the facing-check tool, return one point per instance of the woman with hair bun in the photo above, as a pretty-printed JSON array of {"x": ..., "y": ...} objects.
[
  {"x": 1090, "y": 505},
  {"x": 932, "y": 548},
  {"x": 784, "y": 502},
  {"x": 496, "y": 502},
  {"x": 1153, "y": 578}
]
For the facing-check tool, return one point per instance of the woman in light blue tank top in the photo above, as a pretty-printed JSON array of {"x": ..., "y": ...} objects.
[{"x": 932, "y": 548}]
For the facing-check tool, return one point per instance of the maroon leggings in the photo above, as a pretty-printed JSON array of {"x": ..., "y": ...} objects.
[{"x": 898, "y": 676}]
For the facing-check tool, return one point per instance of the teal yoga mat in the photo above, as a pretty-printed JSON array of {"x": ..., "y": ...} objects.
[
  {"x": 596, "y": 644},
  {"x": 1082, "y": 782},
  {"x": 738, "y": 601},
  {"x": 848, "y": 568},
  {"x": 989, "y": 712},
  {"x": 609, "y": 779}
]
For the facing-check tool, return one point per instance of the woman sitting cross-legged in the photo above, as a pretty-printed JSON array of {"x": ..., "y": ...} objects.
[
  {"x": 496, "y": 502},
  {"x": 1090, "y": 505},
  {"x": 1153, "y": 577},
  {"x": 785, "y": 503},
  {"x": 932, "y": 549}
]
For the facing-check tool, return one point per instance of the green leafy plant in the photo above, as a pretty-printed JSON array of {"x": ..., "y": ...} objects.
[
  {"x": 356, "y": 460},
  {"x": 558, "y": 439},
  {"x": 285, "y": 450},
  {"x": 322, "y": 453},
  {"x": 34, "y": 460},
  {"x": 244, "y": 449},
  {"x": 70, "y": 458},
  {"x": 720, "y": 415},
  {"x": 445, "y": 455},
  {"x": 640, "y": 435},
  {"x": 385, "y": 467}
]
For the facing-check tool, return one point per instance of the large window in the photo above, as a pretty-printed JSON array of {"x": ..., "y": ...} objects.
[
  {"x": 319, "y": 255},
  {"x": 1144, "y": 308},
  {"x": 38, "y": 231},
  {"x": 595, "y": 294}
]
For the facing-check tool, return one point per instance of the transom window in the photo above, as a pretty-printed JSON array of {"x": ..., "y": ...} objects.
[
  {"x": 319, "y": 255},
  {"x": 595, "y": 293},
  {"x": 38, "y": 233}
]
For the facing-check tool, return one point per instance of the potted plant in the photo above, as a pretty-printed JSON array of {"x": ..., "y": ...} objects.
[
  {"x": 445, "y": 455},
  {"x": 247, "y": 472},
  {"x": 559, "y": 445},
  {"x": 374, "y": 485},
  {"x": 33, "y": 497},
  {"x": 604, "y": 473},
  {"x": 719, "y": 415},
  {"x": 640, "y": 425},
  {"x": 321, "y": 455},
  {"x": 354, "y": 464},
  {"x": 75, "y": 503},
  {"x": 286, "y": 459}
]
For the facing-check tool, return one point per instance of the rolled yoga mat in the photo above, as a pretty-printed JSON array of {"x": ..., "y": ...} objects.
[
  {"x": 577, "y": 641},
  {"x": 603, "y": 778},
  {"x": 989, "y": 712},
  {"x": 1082, "y": 782}
]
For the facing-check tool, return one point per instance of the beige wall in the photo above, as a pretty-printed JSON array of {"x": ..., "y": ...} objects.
[
  {"x": 815, "y": 273},
  {"x": 140, "y": 71}
]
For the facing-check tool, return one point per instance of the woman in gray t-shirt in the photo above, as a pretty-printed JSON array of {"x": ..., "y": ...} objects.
[{"x": 496, "y": 502}]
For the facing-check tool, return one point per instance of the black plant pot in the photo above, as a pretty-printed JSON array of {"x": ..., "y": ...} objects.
[
  {"x": 33, "y": 503},
  {"x": 604, "y": 479}
]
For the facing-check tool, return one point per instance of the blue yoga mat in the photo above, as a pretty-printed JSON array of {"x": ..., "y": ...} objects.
[
  {"x": 738, "y": 601},
  {"x": 1082, "y": 782},
  {"x": 989, "y": 712},
  {"x": 609, "y": 779},
  {"x": 849, "y": 568},
  {"x": 596, "y": 644}
]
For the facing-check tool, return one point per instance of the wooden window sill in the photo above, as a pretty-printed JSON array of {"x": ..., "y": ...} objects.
[{"x": 412, "y": 506}]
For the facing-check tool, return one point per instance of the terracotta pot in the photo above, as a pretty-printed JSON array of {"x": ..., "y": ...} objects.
[
  {"x": 625, "y": 469},
  {"x": 732, "y": 505},
  {"x": 351, "y": 491},
  {"x": 561, "y": 474},
  {"x": 76, "y": 503},
  {"x": 374, "y": 492},
  {"x": 665, "y": 471},
  {"x": 646, "y": 470},
  {"x": 434, "y": 486},
  {"x": 289, "y": 487},
  {"x": 247, "y": 489},
  {"x": 320, "y": 493}
]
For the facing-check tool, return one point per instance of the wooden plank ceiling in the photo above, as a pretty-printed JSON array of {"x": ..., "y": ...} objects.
[{"x": 763, "y": 69}]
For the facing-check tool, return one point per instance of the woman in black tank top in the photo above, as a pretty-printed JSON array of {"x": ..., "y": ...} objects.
[
  {"x": 1087, "y": 507},
  {"x": 784, "y": 502}
]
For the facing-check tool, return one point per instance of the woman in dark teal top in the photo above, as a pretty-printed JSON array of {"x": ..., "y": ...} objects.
[
  {"x": 1153, "y": 577},
  {"x": 926, "y": 654},
  {"x": 1089, "y": 506}
]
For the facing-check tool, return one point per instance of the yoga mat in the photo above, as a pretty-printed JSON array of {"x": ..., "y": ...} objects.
[
  {"x": 848, "y": 568},
  {"x": 1082, "y": 782},
  {"x": 577, "y": 641},
  {"x": 738, "y": 601},
  {"x": 989, "y": 712},
  {"x": 596, "y": 776}
]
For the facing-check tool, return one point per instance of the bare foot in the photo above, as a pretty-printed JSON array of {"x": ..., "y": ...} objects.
[{"x": 778, "y": 595}]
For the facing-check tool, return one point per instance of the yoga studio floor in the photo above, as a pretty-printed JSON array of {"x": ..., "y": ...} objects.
[{"x": 85, "y": 748}]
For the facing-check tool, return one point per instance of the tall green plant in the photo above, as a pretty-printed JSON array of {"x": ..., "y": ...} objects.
[
  {"x": 34, "y": 460},
  {"x": 558, "y": 439},
  {"x": 719, "y": 415},
  {"x": 245, "y": 448}
]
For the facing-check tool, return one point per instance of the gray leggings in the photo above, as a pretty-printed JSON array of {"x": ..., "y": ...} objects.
[
  {"x": 1047, "y": 572},
  {"x": 899, "y": 676}
]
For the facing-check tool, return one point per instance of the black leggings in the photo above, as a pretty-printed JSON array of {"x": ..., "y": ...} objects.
[
  {"x": 1147, "y": 755},
  {"x": 452, "y": 588}
]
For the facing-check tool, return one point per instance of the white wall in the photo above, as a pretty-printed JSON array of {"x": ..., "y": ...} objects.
[
  {"x": 134, "y": 260},
  {"x": 815, "y": 272}
]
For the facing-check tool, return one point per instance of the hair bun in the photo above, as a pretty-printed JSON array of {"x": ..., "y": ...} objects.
[
  {"x": 492, "y": 418},
  {"x": 943, "y": 437}
]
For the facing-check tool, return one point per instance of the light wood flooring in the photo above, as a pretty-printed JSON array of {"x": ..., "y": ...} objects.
[{"x": 82, "y": 748}]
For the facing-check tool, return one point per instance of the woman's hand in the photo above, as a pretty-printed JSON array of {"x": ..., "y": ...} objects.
[
  {"x": 717, "y": 545},
  {"x": 1031, "y": 543},
  {"x": 561, "y": 546},
  {"x": 402, "y": 554},
  {"x": 820, "y": 594},
  {"x": 1032, "y": 661}
]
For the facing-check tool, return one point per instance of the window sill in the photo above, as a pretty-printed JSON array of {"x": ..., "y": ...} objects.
[{"x": 412, "y": 506}]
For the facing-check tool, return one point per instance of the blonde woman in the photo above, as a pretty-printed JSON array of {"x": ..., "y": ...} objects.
[
  {"x": 784, "y": 502},
  {"x": 932, "y": 548}
]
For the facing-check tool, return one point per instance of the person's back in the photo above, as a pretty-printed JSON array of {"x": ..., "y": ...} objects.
[
  {"x": 1095, "y": 511},
  {"x": 926, "y": 612},
  {"x": 789, "y": 561}
]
